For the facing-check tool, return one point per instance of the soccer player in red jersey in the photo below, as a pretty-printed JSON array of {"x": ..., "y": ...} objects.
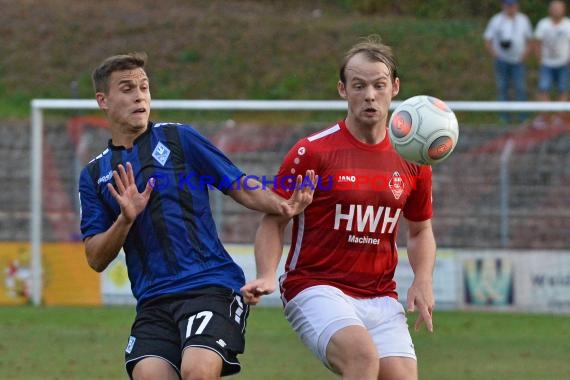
[{"x": 338, "y": 287}]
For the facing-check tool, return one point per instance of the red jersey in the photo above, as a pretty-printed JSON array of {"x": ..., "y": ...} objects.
[{"x": 347, "y": 236}]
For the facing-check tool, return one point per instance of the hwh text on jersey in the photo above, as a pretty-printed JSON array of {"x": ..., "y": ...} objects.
[{"x": 367, "y": 217}]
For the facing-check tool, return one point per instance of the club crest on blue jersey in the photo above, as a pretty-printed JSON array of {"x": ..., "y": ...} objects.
[{"x": 161, "y": 153}]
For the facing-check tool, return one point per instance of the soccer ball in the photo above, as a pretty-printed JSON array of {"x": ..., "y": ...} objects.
[{"x": 423, "y": 129}]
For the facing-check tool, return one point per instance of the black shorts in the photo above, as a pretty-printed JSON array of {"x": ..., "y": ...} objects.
[{"x": 211, "y": 317}]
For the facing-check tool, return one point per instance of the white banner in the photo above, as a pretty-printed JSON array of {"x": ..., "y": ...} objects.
[
  {"x": 487, "y": 279},
  {"x": 542, "y": 281},
  {"x": 445, "y": 283},
  {"x": 115, "y": 284},
  {"x": 535, "y": 281},
  {"x": 446, "y": 288},
  {"x": 116, "y": 287},
  {"x": 531, "y": 281}
]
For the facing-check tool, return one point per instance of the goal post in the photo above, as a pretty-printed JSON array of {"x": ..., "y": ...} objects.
[{"x": 39, "y": 106}]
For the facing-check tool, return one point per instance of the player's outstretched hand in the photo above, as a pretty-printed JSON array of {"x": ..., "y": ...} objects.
[
  {"x": 253, "y": 290},
  {"x": 420, "y": 295},
  {"x": 127, "y": 194},
  {"x": 302, "y": 195}
]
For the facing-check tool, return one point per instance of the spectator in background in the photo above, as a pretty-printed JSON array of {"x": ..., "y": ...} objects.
[
  {"x": 553, "y": 50},
  {"x": 507, "y": 39}
]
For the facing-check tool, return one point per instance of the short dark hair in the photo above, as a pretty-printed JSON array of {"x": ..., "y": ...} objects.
[
  {"x": 376, "y": 51},
  {"x": 120, "y": 62}
]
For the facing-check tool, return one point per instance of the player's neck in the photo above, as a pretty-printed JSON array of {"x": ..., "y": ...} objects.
[
  {"x": 367, "y": 134},
  {"x": 125, "y": 137}
]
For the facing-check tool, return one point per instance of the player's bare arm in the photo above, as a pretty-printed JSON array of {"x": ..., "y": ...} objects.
[
  {"x": 421, "y": 253},
  {"x": 253, "y": 196},
  {"x": 102, "y": 248},
  {"x": 268, "y": 251},
  {"x": 269, "y": 239}
]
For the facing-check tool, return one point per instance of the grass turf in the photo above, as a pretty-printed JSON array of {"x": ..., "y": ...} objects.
[{"x": 87, "y": 343}]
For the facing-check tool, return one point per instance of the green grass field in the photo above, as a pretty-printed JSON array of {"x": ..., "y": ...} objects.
[{"x": 87, "y": 343}]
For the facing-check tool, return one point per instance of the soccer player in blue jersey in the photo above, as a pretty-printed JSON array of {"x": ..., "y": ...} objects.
[{"x": 148, "y": 194}]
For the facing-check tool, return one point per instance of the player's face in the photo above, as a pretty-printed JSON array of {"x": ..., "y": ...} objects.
[
  {"x": 127, "y": 102},
  {"x": 369, "y": 91}
]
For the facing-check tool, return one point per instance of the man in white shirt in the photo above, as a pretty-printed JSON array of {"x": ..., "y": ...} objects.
[
  {"x": 553, "y": 50},
  {"x": 507, "y": 39}
]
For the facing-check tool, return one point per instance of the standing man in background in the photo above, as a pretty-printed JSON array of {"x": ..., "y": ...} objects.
[
  {"x": 508, "y": 40},
  {"x": 553, "y": 50}
]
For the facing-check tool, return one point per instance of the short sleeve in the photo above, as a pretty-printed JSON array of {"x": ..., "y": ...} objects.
[
  {"x": 419, "y": 204},
  {"x": 209, "y": 161},
  {"x": 298, "y": 160},
  {"x": 95, "y": 216}
]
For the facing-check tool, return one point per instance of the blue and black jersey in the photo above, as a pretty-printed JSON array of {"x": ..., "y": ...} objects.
[{"x": 173, "y": 244}]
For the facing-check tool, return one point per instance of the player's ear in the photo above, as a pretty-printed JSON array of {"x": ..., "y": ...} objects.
[
  {"x": 341, "y": 89},
  {"x": 395, "y": 87},
  {"x": 101, "y": 100}
]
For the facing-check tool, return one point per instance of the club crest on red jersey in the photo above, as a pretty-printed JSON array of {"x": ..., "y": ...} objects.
[{"x": 397, "y": 185}]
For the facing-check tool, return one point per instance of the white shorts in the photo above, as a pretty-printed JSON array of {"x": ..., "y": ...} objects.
[{"x": 318, "y": 312}]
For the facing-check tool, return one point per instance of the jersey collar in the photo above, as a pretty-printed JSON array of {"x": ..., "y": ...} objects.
[
  {"x": 384, "y": 144},
  {"x": 139, "y": 138}
]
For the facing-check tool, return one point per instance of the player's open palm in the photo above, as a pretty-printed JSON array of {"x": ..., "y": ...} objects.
[
  {"x": 131, "y": 201},
  {"x": 302, "y": 195}
]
